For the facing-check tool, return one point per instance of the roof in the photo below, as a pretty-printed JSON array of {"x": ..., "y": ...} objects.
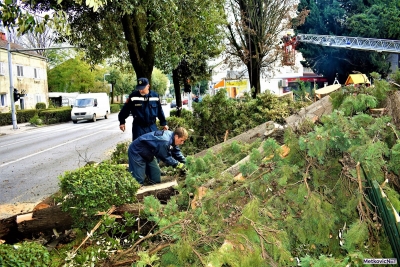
[
  {"x": 357, "y": 79},
  {"x": 13, "y": 46}
]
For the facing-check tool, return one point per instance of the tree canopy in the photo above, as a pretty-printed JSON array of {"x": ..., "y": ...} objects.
[
  {"x": 149, "y": 33},
  {"x": 74, "y": 75}
]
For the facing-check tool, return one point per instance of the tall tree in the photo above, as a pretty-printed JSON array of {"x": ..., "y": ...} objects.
[
  {"x": 253, "y": 34},
  {"x": 136, "y": 29},
  {"x": 74, "y": 75},
  {"x": 200, "y": 24}
]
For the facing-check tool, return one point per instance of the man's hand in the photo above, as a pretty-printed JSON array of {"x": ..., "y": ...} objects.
[
  {"x": 180, "y": 166},
  {"x": 165, "y": 127},
  {"x": 122, "y": 127}
]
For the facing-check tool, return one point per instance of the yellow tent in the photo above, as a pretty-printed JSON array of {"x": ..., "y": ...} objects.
[{"x": 357, "y": 79}]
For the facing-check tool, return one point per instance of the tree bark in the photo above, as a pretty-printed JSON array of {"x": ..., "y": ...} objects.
[
  {"x": 312, "y": 112},
  {"x": 141, "y": 56},
  {"x": 175, "y": 80}
]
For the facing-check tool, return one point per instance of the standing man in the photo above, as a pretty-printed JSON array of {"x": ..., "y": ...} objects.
[
  {"x": 145, "y": 107},
  {"x": 144, "y": 151}
]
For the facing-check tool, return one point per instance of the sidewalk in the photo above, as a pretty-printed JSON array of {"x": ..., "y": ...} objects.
[{"x": 21, "y": 127}]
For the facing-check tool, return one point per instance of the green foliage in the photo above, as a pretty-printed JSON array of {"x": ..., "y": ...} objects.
[
  {"x": 248, "y": 168},
  {"x": 120, "y": 154},
  {"x": 23, "y": 116},
  {"x": 359, "y": 103},
  {"x": 24, "y": 254},
  {"x": 102, "y": 248},
  {"x": 36, "y": 120},
  {"x": 304, "y": 92},
  {"x": 114, "y": 108},
  {"x": 356, "y": 259},
  {"x": 89, "y": 190},
  {"x": 74, "y": 75},
  {"x": 393, "y": 196},
  {"x": 216, "y": 116},
  {"x": 57, "y": 115},
  {"x": 159, "y": 82},
  {"x": 40, "y": 105},
  {"x": 356, "y": 236},
  {"x": 394, "y": 163},
  {"x": 147, "y": 260}
]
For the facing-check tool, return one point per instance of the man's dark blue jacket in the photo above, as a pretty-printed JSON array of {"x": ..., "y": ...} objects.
[{"x": 145, "y": 111}]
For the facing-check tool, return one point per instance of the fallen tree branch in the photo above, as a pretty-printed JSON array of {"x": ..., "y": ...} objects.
[
  {"x": 199, "y": 256},
  {"x": 117, "y": 257},
  {"x": 111, "y": 210}
]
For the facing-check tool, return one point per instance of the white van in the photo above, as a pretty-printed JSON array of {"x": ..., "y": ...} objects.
[{"x": 90, "y": 107}]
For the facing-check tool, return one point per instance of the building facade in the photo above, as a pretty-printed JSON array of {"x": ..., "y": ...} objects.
[{"x": 29, "y": 76}]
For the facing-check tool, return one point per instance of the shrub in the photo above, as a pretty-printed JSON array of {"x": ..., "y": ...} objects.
[
  {"x": 24, "y": 254},
  {"x": 93, "y": 189},
  {"x": 40, "y": 105},
  {"x": 51, "y": 116},
  {"x": 36, "y": 120},
  {"x": 114, "y": 108}
]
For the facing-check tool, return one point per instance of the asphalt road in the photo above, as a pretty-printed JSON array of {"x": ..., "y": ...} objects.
[
  {"x": 31, "y": 161},
  {"x": 33, "y": 158}
]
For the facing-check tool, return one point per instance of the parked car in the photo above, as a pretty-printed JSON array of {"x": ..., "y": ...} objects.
[
  {"x": 164, "y": 102},
  {"x": 173, "y": 103}
]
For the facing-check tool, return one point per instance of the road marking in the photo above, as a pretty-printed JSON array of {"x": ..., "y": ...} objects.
[
  {"x": 34, "y": 154},
  {"x": 50, "y": 132}
]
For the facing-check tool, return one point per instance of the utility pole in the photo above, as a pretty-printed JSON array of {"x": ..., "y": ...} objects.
[{"x": 13, "y": 113}]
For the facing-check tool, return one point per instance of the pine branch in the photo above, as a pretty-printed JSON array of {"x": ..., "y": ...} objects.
[
  {"x": 199, "y": 256},
  {"x": 117, "y": 257}
]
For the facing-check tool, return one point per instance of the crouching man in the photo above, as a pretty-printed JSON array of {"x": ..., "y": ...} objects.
[{"x": 159, "y": 144}]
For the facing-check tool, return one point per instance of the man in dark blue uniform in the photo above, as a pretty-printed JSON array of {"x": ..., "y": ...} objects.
[
  {"x": 145, "y": 107},
  {"x": 144, "y": 151}
]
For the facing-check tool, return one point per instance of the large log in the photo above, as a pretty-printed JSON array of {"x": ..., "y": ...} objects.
[
  {"x": 48, "y": 218},
  {"x": 311, "y": 112},
  {"x": 392, "y": 104}
]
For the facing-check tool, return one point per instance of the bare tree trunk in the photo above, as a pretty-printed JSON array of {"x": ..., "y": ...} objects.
[
  {"x": 112, "y": 93},
  {"x": 175, "y": 79},
  {"x": 254, "y": 77}
]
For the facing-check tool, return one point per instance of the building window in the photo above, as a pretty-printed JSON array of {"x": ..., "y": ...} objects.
[
  {"x": 38, "y": 98},
  {"x": 2, "y": 68},
  {"x": 20, "y": 71},
  {"x": 36, "y": 73},
  {"x": 3, "y": 100}
]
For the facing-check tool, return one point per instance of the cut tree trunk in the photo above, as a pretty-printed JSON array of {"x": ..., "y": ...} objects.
[
  {"x": 392, "y": 105},
  {"x": 312, "y": 112},
  {"x": 45, "y": 220}
]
